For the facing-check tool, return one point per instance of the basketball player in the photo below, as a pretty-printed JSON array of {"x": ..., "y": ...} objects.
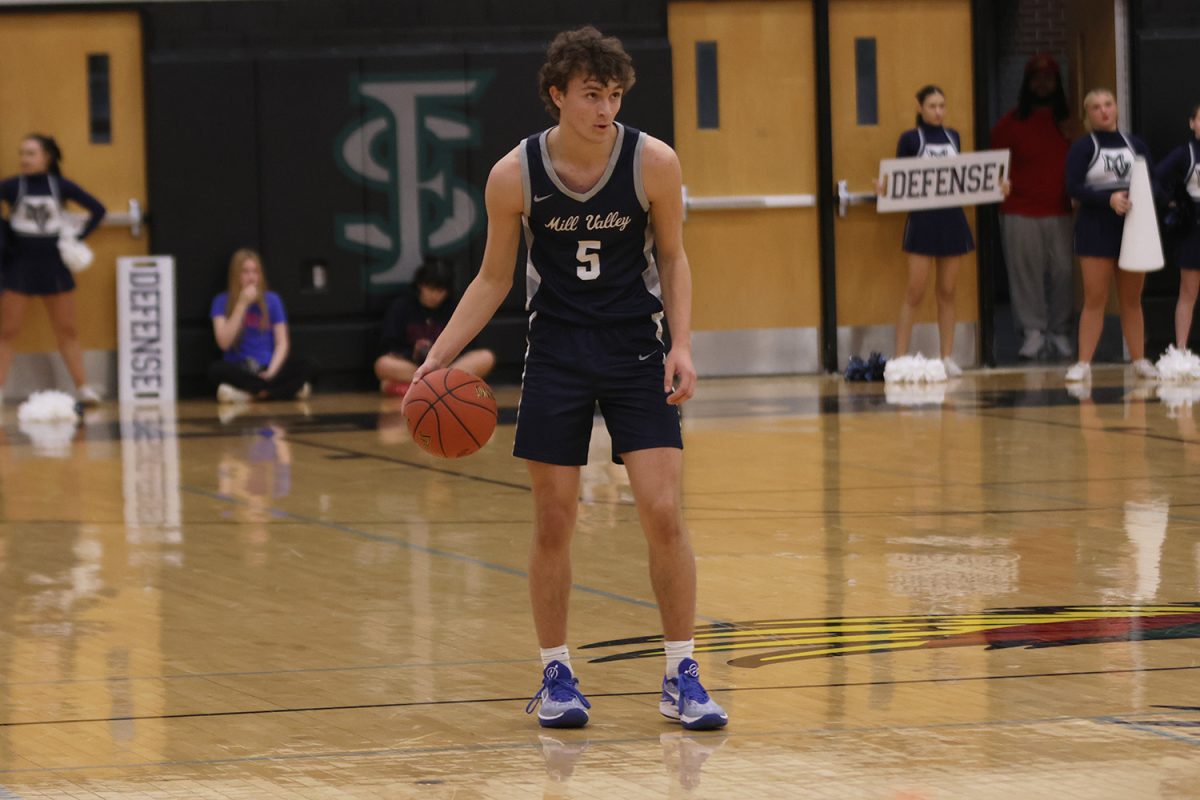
[
  {"x": 595, "y": 200},
  {"x": 935, "y": 240},
  {"x": 1180, "y": 168},
  {"x": 1098, "y": 170}
]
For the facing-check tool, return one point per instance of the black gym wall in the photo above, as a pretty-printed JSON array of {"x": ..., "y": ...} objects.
[{"x": 261, "y": 134}]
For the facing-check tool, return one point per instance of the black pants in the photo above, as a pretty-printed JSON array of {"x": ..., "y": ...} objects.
[{"x": 294, "y": 373}]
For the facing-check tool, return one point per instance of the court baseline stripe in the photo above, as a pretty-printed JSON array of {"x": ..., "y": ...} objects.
[
  {"x": 1178, "y": 737},
  {"x": 518, "y": 746},
  {"x": 523, "y": 699}
]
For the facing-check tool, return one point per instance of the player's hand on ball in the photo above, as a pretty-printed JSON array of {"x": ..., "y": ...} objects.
[
  {"x": 679, "y": 366},
  {"x": 427, "y": 366}
]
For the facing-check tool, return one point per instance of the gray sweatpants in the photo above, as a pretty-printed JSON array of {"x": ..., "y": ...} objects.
[{"x": 1038, "y": 253}]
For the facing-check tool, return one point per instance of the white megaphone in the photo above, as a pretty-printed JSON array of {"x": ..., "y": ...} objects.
[{"x": 1141, "y": 247}]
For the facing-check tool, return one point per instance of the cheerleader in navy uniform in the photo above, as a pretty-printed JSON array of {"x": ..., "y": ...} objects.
[
  {"x": 1180, "y": 167},
  {"x": 937, "y": 238},
  {"x": 1098, "y": 171},
  {"x": 32, "y": 264}
]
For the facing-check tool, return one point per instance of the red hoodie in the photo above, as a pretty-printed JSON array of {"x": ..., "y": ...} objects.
[{"x": 1037, "y": 165}]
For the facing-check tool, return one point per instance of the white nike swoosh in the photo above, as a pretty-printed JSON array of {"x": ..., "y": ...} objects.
[
  {"x": 537, "y": 199},
  {"x": 643, "y": 358}
]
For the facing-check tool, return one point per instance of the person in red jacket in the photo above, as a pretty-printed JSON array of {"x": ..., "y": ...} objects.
[{"x": 1036, "y": 217}]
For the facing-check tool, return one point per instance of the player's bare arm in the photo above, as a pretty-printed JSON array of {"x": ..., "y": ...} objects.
[
  {"x": 663, "y": 180},
  {"x": 505, "y": 202}
]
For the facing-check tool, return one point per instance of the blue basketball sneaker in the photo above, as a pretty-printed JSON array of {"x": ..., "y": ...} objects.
[
  {"x": 684, "y": 699},
  {"x": 562, "y": 704}
]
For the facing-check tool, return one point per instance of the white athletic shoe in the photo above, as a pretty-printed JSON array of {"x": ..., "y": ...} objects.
[
  {"x": 953, "y": 370},
  {"x": 305, "y": 391},
  {"x": 230, "y": 394},
  {"x": 1080, "y": 372},
  {"x": 1144, "y": 369},
  {"x": 88, "y": 395}
]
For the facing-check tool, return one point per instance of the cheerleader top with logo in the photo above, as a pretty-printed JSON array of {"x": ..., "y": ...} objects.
[
  {"x": 1098, "y": 165},
  {"x": 1180, "y": 167},
  {"x": 31, "y": 263},
  {"x": 938, "y": 231},
  {"x": 1101, "y": 163}
]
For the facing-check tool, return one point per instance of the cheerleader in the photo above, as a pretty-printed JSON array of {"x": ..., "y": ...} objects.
[
  {"x": 32, "y": 264},
  {"x": 1098, "y": 171},
  {"x": 934, "y": 240},
  {"x": 1179, "y": 168}
]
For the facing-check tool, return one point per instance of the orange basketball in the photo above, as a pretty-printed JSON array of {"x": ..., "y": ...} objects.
[{"x": 450, "y": 413}]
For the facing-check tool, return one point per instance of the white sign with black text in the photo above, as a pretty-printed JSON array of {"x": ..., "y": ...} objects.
[
  {"x": 914, "y": 184},
  {"x": 146, "y": 329}
]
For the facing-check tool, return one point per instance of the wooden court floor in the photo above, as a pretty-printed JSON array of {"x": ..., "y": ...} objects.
[{"x": 983, "y": 592}]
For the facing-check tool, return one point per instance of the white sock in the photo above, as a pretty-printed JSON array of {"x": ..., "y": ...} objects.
[
  {"x": 560, "y": 654},
  {"x": 676, "y": 652}
]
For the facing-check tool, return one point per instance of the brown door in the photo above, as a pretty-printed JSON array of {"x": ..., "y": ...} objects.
[
  {"x": 46, "y": 90},
  {"x": 750, "y": 174},
  {"x": 915, "y": 43}
]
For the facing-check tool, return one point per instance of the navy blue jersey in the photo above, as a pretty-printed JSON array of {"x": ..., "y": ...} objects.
[
  {"x": 590, "y": 255},
  {"x": 1180, "y": 167}
]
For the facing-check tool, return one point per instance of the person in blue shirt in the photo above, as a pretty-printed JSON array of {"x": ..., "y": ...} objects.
[
  {"x": 32, "y": 266},
  {"x": 413, "y": 323},
  {"x": 250, "y": 327},
  {"x": 1099, "y": 166}
]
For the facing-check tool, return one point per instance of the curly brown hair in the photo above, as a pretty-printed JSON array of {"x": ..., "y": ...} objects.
[{"x": 587, "y": 52}]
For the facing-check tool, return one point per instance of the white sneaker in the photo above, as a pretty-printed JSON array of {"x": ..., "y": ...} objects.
[
  {"x": 305, "y": 391},
  {"x": 230, "y": 394},
  {"x": 1080, "y": 372},
  {"x": 88, "y": 395},
  {"x": 953, "y": 370},
  {"x": 1144, "y": 369}
]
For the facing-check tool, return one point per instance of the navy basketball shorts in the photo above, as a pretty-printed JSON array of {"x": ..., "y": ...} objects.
[{"x": 570, "y": 369}]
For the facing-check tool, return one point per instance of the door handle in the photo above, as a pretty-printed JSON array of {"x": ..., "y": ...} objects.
[
  {"x": 847, "y": 198},
  {"x": 133, "y": 219}
]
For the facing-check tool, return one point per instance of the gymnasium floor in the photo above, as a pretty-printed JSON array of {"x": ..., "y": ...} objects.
[{"x": 990, "y": 594}]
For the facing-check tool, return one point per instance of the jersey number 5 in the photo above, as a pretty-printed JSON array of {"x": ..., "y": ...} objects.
[{"x": 589, "y": 263}]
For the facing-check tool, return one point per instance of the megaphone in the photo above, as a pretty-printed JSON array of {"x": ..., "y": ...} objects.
[{"x": 1141, "y": 247}]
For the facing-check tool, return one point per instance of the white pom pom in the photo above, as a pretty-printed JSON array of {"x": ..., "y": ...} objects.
[
  {"x": 914, "y": 369},
  {"x": 1177, "y": 366},
  {"x": 47, "y": 406},
  {"x": 914, "y": 394},
  {"x": 49, "y": 420},
  {"x": 1179, "y": 396}
]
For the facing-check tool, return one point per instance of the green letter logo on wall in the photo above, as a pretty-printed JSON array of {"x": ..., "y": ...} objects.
[{"x": 405, "y": 147}]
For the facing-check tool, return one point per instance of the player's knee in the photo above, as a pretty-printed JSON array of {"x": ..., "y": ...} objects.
[
  {"x": 553, "y": 532},
  {"x": 66, "y": 331},
  {"x": 945, "y": 294},
  {"x": 664, "y": 518},
  {"x": 914, "y": 295},
  {"x": 9, "y": 329}
]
